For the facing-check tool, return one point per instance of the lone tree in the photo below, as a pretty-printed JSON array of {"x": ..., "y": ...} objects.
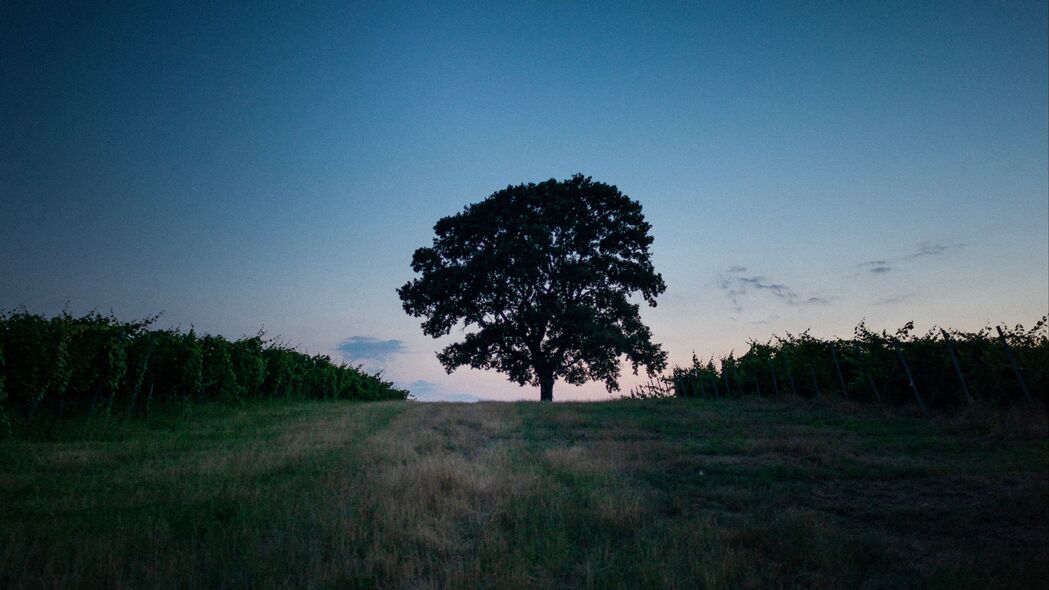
[{"x": 545, "y": 273}]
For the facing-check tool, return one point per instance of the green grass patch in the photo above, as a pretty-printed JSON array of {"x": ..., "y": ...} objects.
[{"x": 654, "y": 494}]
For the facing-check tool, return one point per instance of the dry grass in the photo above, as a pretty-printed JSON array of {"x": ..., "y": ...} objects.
[{"x": 659, "y": 494}]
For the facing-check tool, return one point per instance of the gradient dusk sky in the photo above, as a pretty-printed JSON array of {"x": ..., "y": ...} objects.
[{"x": 803, "y": 165}]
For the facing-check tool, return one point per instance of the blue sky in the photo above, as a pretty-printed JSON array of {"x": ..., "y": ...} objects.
[{"x": 804, "y": 165}]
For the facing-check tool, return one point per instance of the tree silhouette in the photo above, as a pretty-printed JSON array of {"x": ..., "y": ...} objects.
[{"x": 545, "y": 273}]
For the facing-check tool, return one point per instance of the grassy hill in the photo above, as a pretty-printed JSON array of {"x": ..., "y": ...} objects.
[{"x": 667, "y": 493}]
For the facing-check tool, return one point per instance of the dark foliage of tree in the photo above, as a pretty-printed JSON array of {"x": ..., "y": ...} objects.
[
  {"x": 545, "y": 273},
  {"x": 68, "y": 365}
]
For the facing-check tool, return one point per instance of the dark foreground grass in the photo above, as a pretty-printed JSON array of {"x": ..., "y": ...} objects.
[{"x": 656, "y": 494}]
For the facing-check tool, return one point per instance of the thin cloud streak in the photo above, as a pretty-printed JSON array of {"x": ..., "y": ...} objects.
[
  {"x": 922, "y": 250},
  {"x": 888, "y": 301},
  {"x": 427, "y": 391},
  {"x": 737, "y": 285},
  {"x": 367, "y": 348}
]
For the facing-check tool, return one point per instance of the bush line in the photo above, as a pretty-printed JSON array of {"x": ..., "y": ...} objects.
[
  {"x": 939, "y": 369},
  {"x": 66, "y": 365}
]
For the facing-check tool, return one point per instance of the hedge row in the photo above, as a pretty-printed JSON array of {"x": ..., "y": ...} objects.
[
  {"x": 67, "y": 365},
  {"x": 940, "y": 368}
]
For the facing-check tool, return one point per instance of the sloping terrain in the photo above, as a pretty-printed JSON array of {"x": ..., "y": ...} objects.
[{"x": 656, "y": 494}]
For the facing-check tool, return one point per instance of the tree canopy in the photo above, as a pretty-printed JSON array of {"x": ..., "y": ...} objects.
[{"x": 544, "y": 274}]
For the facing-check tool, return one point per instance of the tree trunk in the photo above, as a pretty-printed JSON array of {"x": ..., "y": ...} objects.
[{"x": 546, "y": 390}]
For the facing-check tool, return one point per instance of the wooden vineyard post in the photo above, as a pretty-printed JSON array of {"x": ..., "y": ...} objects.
[
  {"x": 1015, "y": 364},
  {"x": 736, "y": 383},
  {"x": 815, "y": 383},
  {"x": 957, "y": 367},
  {"x": 837, "y": 367},
  {"x": 134, "y": 396},
  {"x": 863, "y": 367},
  {"x": 790, "y": 377},
  {"x": 775, "y": 382},
  {"x": 910, "y": 378},
  {"x": 702, "y": 390}
]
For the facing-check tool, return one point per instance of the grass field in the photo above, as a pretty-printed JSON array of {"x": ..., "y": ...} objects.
[{"x": 655, "y": 494}]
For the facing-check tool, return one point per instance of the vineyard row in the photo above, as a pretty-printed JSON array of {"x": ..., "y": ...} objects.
[
  {"x": 938, "y": 369},
  {"x": 68, "y": 365}
]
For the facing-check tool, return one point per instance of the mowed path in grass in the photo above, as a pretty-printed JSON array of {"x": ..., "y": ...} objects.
[{"x": 655, "y": 494}]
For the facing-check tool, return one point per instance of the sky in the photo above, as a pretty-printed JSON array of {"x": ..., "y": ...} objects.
[{"x": 803, "y": 165}]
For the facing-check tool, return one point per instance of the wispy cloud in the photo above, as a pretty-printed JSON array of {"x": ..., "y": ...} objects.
[
  {"x": 922, "y": 250},
  {"x": 737, "y": 284},
  {"x": 932, "y": 249},
  {"x": 367, "y": 348},
  {"x": 887, "y": 301},
  {"x": 427, "y": 391},
  {"x": 765, "y": 321}
]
